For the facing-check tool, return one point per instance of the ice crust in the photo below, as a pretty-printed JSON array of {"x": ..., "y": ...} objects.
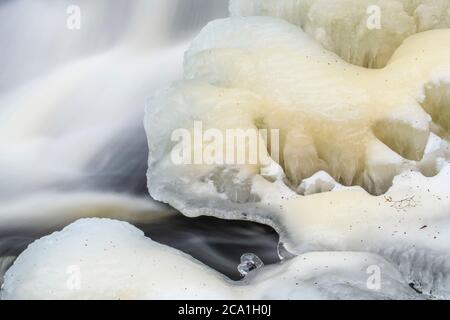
[
  {"x": 114, "y": 260},
  {"x": 377, "y": 138}
]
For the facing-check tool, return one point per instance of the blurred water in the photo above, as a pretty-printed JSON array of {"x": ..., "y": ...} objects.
[
  {"x": 71, "y": 112},
  {"x": 66, "y": 95}
]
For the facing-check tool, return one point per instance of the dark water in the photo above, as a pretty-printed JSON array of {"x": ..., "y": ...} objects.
[
  {"x": 217, "y": 243},
  {"x": 121, "y": 166}
]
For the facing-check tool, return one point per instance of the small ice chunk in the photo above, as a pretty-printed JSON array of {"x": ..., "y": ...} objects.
[
  {"x": 318, "y": 183},
  {"x": 249, "y": 262}
]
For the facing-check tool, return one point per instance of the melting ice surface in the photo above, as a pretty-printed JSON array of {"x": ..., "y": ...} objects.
[{"x": 360, "y": 196}]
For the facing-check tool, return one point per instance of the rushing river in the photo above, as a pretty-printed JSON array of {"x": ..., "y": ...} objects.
[{"x": 72, "y": 142}]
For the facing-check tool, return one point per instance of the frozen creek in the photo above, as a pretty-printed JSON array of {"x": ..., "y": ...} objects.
[{"x": 361, "y": 184}]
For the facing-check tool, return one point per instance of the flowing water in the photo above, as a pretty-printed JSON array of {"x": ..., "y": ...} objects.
[{"x": 72, "y": 143}]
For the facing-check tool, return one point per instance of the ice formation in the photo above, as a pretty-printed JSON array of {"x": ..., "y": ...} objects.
[
  {"x": 107, "y": 259},
  {"x": 381, "y": 135},
  {"x": 362, "y": 32},
  {"x": 264, "y": 73}
]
